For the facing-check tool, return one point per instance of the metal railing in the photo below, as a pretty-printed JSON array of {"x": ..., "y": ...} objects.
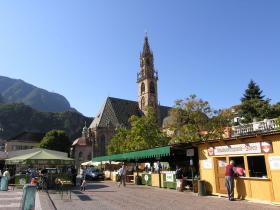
[{"x": 265, "y": 126}]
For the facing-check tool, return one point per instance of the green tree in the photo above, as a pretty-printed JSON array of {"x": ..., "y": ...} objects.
[
  {"x": 252, "y": 92},
  {"x": 276, "y": 110},
  {"x": 56, "y": 140},
  {"x": 195, "y": 120},
  {"x": 144, "y": 133},
  {"x": 253, "y": 105},
  {"x": 278, "y": 122},
  {"x": 118, "y": 142}
]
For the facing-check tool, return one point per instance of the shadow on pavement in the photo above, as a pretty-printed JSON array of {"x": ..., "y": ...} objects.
[{"x": 82, "y": 196}]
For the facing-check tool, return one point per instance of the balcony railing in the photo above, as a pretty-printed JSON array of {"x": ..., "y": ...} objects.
[{"x": 265, "y": 126}]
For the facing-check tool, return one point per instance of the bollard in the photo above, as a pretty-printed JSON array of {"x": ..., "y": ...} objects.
[
  {"x": 4, "y": 183},
  {"x": 28, "y": 197},
  {"x": 201, "y": 188}
]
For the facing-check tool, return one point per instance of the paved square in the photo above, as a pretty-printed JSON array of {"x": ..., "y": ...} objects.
[{"x": 108, "y": 196}]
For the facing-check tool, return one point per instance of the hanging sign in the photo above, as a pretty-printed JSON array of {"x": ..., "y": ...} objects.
[
  {"x": 190, "y": 152},
  {"x": 236, "y": 149},
  {"x": 274, "y": 162}
]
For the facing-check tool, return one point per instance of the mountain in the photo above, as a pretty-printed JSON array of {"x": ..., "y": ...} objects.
[
  {"x": 16, "y": 118},
  {"x": 18, "y": 91}
]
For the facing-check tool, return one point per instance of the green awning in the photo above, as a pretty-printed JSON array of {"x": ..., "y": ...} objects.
[{"x": 136, "y": 155}]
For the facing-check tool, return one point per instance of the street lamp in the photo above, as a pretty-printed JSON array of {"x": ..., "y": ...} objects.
[{"x": 91, "y": 137}]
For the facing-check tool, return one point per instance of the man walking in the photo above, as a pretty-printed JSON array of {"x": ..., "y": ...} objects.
[
  {"x": 230, "y": 180},
  {"x": 122, "y": 174}
]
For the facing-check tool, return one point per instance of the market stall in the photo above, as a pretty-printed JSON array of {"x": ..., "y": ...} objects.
[
  {"x": 258, "y": 157},
  {"x": 155, "y": 173},
  {"x": 54, "y": 163}
]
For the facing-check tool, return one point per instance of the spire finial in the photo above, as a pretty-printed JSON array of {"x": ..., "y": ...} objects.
[{"x": 146, "y": 47}]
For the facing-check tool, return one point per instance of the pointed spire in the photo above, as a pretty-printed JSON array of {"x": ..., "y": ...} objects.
[{"x": 146, "y": 47}]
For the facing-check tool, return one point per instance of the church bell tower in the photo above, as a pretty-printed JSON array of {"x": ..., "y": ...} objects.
[{"x": 147, "y": 79}]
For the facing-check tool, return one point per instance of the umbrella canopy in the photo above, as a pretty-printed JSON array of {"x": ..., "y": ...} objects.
[
  {"x": 42, "y": 157},
  {"x": 90, "y": 163}
]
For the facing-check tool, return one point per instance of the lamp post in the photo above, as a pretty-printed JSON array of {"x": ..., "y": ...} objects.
[{"x": 91, "y": 137}]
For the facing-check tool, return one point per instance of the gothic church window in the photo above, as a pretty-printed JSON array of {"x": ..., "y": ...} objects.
[
  {"x": 142, "y": 88},
  {"x": 152, "y": 87},
  {"x": 89, "y": 156}
]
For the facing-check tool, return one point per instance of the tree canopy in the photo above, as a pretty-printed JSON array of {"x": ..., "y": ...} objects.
[
  {"x": 253, "y": 92},
  {"x": 195, "y": 120},
  {"x": 56, "y": 140},
  {"x": 254, "y": 106},
  {"x": 144, "y": 133}
]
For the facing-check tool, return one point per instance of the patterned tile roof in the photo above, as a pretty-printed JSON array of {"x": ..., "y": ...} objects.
[{"x": 116, "y": 112}]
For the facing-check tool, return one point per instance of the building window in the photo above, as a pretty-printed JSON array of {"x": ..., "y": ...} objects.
[
  {"x": 239, "y": 165},
  {"x": 152, "y": 87},
  {"x": 89, "y": 156},
  {"x": 256, "y": 166},
  {"x": 142, "y": 88}
]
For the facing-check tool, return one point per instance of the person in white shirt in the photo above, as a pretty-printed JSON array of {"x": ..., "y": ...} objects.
[{"x": 122, "y": 174}]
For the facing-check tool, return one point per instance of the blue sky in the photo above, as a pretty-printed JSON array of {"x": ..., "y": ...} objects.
[{"x": 88, "y": 50}]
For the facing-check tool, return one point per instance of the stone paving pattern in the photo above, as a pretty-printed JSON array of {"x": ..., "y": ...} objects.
[
  {"x": 10, "y": 200},
  {"x": 108, "y": 196}
]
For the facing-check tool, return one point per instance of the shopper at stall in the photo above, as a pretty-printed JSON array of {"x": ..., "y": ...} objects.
[
  {"x": 7, "y": 174},
  {"x": 179, "y": 178},
  {"x": 240, "y": 170},
  {"x": 230, "y": 173},
  {"x": 122, "y": 174},
  {"x": 83, "y": 185}
]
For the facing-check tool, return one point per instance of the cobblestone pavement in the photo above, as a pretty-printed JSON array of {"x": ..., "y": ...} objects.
[
  {"x": 10, "y": 200},
  {"x": 107, "y": 196}
]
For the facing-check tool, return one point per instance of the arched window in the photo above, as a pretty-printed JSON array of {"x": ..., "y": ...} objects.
[
  {"x": 152, "y": 87},
  {"x": 142, "y": 102},
  {"x": 142, "y": 88},
  {"x": 89, "y": 156}
]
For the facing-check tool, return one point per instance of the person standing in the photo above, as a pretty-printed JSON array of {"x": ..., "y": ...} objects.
[
  {"x": 83, "y": 185},
  {"x": 122, "y": 174},
  {"x": 230, "y": 180},
  {"x": 7, "y": 174},
  {"x": 179, "y": 178},
  {"x": 73, "y": 175}
]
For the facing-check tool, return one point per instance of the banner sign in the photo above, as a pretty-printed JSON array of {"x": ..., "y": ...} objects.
[
  {"x": 274, "y": 162},
  {"x": 207, "y": 164},
  {"x": 169, "y": 177},
  {"x": 236, "y": 149}
]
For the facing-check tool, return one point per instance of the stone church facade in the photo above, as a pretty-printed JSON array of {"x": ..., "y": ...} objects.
[{"x": 115, "y": 112}]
